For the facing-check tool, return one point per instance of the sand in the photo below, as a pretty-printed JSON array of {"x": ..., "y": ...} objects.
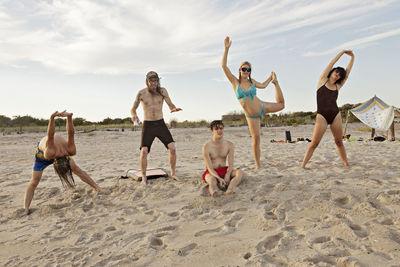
[{"x": 281, "y": 215}]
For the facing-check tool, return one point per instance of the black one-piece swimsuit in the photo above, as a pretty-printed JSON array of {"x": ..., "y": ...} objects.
[{"x": 326, "y": 103}]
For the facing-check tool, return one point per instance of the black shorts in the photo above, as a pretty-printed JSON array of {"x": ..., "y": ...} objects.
[{"x": 153, "y": 129}]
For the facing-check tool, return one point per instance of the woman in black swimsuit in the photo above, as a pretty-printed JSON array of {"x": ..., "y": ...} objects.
[{"x": 330, "y": 82}]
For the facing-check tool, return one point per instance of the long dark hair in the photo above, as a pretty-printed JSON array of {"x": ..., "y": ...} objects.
[
  {"x": 63, "y": 169},
  {"x": 240, "y": 76},
  {"x": 342, "y": 73}
]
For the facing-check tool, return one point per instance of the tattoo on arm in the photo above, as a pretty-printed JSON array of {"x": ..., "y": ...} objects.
[
  {"x": 137, "y": 101},
  {"x": 162, "y": 92}
]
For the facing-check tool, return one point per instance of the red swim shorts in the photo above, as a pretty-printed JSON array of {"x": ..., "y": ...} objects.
[{"x": 221, "y": 172}]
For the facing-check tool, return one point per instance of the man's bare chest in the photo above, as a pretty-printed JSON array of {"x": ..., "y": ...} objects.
[{"x": 152, "y": 100}]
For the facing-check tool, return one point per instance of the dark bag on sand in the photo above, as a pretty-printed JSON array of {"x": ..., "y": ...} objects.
[
  {"x": 288, "y": 136},
  {"x": 379, "y": 138}
]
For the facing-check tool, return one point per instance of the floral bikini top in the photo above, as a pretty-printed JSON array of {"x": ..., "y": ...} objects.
[{"x": 240, "y": 93}]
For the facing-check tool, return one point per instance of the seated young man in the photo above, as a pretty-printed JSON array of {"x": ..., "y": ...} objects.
[
  {"x": 55, "y": 150},
  {"x": 215, "y": 153}
]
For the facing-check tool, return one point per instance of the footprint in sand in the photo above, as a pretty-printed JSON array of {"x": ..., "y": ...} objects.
[
  {"x": 173, "y": 214},
  {"x": 387, "y": 221},
  {"x": 186, "y": 249},
  {"x": 320, "y": 240},
  {"x": 269, "y": 243},
  {"x": 155, "y": 239},
  {"x": 128, "y": 240},
  {"x": 271, "y": 212},
  {"x": 167, "y": 228},
  {"x": 269, "y": 215},
  {"x": 156, "y": 243},
  {"x": 231, "y": 225},
  {"x": 208, "y": 231},
  {"x": 347, "y": 244},
  {"x": 324, "y": 259},
  {"x": 110, "y": 229},
  {"x": 247, "y": 256},
  {"x": 342, "y": 201},
  {"x": 358, "y": 230},
  {"x": 96, "y": 237},
  {"x": 395, "y": 236}
]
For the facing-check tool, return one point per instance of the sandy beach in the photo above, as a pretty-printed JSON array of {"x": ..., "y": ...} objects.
[{"x": 281, "y": 215}]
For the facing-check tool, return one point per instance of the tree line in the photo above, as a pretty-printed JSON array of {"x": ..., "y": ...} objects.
[
  {"x": 23, "y": 121},
  {"x": 231, "y": 119}
]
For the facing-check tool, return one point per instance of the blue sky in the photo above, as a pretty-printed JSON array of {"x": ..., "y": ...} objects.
[{"x": 91, "y": 57}]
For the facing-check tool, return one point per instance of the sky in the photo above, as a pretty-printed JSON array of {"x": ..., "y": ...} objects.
[{"x": 91, "y": 57}]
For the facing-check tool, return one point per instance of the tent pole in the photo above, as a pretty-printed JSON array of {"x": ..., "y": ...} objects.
[{"x": 392, "y": 137}]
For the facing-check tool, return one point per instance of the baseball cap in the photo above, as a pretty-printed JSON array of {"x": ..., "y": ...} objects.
[{"x": 151, "y": 74}]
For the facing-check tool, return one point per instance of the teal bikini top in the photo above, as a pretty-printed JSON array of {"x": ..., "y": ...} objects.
[{"x": 240, "y": 93}]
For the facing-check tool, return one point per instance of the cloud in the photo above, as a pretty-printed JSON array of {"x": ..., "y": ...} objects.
[
  {"x": 120, "y": 37},
  {"x": 360, "y": 42}
]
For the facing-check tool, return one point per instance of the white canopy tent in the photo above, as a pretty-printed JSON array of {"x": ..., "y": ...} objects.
[{"x": 377, "y": 114}]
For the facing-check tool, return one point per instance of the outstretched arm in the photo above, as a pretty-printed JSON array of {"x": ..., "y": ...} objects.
[
  {"x": 171, "y": 106},
  {"x": 50, "y": 150},
  {"x": 227, "y": 71},
  {"x": 349, "y": 66},
  {"x": 328, "y": 68},
  {"x": 51, "y": 129},
  {"x": 70, "y": 133},
  {"x": 135, "y": 106},
  {"x": 264, "y": 84}
]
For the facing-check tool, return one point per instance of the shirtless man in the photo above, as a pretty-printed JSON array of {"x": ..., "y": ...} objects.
[
  {"x": 152, "y": 98},
  {"x": 215, "y": 153},
  {"x": 54, "y": 149}
]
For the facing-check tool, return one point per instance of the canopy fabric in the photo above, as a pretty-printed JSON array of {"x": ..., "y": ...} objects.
[{"x": 375, "y": 113}]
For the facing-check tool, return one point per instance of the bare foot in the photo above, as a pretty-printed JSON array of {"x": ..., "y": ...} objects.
[
  {"x": 175, "y": 177},
  {"x": 144, "y": 181},
  {"x": 26, "y": 212},
  {"x": 65, "y": 114},
  {"x": 214, "y": 194},
  {"x": 229, "y": 192}
]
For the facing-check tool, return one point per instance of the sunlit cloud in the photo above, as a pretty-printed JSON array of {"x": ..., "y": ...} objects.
[
  {"x": 360, "y": 42},
  {"x": 120, "y": 37}
]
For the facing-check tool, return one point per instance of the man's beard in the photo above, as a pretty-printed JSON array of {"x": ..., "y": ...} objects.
[{"x": 153, "y": 91}]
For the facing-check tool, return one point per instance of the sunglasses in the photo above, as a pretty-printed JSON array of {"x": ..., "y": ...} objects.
[{"x": 246, "y": 69}]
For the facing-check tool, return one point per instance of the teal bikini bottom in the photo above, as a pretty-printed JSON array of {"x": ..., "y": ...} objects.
[{"x": 258, "y": 115}]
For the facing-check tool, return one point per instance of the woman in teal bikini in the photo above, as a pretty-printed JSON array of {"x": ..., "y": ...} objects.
[{"x": 254, "y": 108}]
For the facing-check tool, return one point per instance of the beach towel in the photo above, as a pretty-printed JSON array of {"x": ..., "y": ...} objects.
[{"x": 375, "y": 113}]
